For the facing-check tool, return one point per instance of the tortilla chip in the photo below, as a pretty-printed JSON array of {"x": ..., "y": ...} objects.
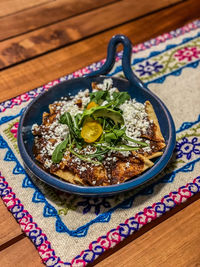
[
  {"x": 99, "y": 175},
  {"x": 44, "y": 117},
  {"x": 68, "y": 176},
  {"x": 94, "y": 86},
  {"x": 47, "y": 119},
  {"x": 153, "y": 155},
  {"x": 156, "y": 134},
  {"x": 156, "y": 150},
  {"x": 136, "y": 165}
]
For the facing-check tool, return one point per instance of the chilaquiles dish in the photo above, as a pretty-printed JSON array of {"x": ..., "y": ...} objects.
[{"x": 98, "y": 139}]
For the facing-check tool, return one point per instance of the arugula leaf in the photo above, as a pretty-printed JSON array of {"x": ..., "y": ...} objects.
[
  {"x": 99, "y": 96},
  {"x": 85, "y": 158},
  {"x": 143, "y": 144},
  {"x": 108, "y": 137},
  {"x": 60, "y": 150},
  {"x": 114, "y": 135},
  {"x": 99, "y": 152},
  {"x": 121, "y": 148},
  {"x": 77, "y": 119},
  {"x": 109, "y": 113},
  {"x": 66, "y": 118},
  {"x": 120, "y": 97},
  {"x": 108, "y": 98},
  {"x": 103, "y": 111},
  {"x": 100, "y": 157},
  {"x": 119, "y": 133}
]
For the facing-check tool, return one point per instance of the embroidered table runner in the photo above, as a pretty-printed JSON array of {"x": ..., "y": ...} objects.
[{"x": 71, "y": 230}]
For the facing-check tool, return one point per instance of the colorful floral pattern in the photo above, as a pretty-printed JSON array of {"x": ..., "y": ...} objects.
[
  {"x": 187, "y": 148},
  {"x": 170, "y": 61},
  {"x": 14, "y": 129},
  {"x": 94, "y": 203},
  {"x": 11, "y": 133},
  {"x": 187, "y": 53},
  {"x": 149, "y": 68}
]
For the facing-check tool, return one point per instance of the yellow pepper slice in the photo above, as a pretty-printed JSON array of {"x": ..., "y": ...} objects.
[
  {"x": 91, "y": 131},
  {"x": 92, "y": 105}
]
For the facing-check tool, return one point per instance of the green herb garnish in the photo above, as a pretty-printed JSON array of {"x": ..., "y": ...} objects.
[
  {"x": 135, "y": 141},
  {"x": 102, "y": 111},
  {"x": 121, "y": 148},
  {"x": 99, "y": 96},
  {"x": 60, "y": 150},
  {"x": 119, "y": 98},
  {"x": 84, "y": 157},
  {"x": 110, "y": 117}
]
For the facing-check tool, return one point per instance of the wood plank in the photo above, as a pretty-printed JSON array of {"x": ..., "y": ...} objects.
[
  {"x": 174, "y": 242},
  {"x": 10, "y": 229},
  {"x": 32, "y": 44},
  {"x": 34, "y": 73},
  {"x": 53, "y": 11},
  {"x": 20, "y": 254},
  {"x": 8, "y": 7}
]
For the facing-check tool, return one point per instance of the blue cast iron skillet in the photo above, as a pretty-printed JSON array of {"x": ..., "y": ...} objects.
[{"x": 33, "y": 114}]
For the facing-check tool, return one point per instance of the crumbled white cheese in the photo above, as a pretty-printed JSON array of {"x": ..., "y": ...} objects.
[
  {"x": 70, "y": 105},
  {"x": 147, "y": 149},
  {"x": 35, "y": 127},
  {"x": 125, "y": 153},
  {"x": 127, "y": 164},
  {"x": 135, "y": 118},
  {"x": 82, "y": 169},
  {"x": 112, "y": 90},
  {"x": 114, "y": 159},
  {"x": 104, "y": 103},
  {"x": 106, "y": 85},
  {"x": 47, "y": 163}
]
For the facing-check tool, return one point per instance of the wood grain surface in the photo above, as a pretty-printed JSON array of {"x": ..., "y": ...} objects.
[
  {"x": 9, "y": 228},
  {"x": 19, "y": 78},
  {"x": 44, "y": 40},
  {"x": 67, "y": 31},
  {"x": 46, "y": 14},
  {"x": 20, "y": 254},
  {"x": 8, "y": 7},
  {"x": 174, "y": 242}
]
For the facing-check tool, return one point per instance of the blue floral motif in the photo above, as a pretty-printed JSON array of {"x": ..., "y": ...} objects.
[
  {"x": 186, "y": 148},
  {"x": 96, "y": 203},
  {"x": 149, "y": 68}
]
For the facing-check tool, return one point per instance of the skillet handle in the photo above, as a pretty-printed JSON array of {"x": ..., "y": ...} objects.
[{"x": 126, "y": 60}]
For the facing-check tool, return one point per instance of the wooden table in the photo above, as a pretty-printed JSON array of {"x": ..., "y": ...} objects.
[{"x": 44, "y": 40}]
